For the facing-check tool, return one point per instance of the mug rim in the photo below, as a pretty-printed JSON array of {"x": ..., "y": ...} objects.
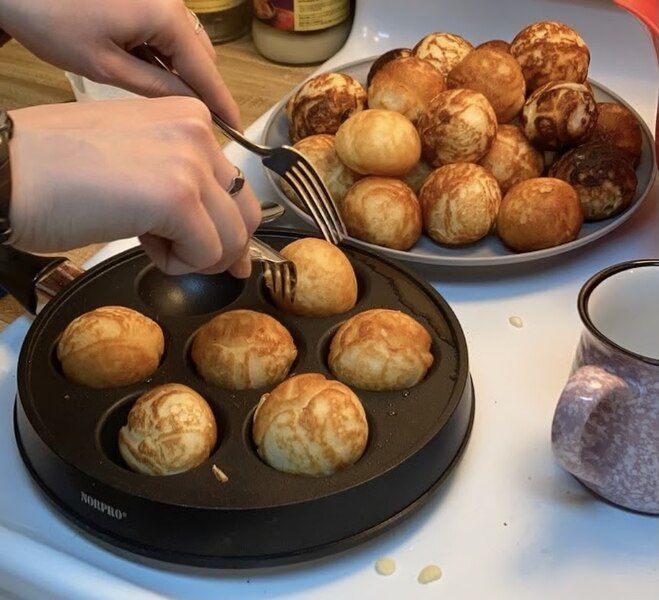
[{"x": 589, "y": 287}]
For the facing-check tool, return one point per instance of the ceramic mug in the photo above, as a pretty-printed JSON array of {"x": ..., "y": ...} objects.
[{"x": 606, "y": 425}]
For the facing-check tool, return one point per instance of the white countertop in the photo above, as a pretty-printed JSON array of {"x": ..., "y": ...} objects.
[{"x": 508, "y": 523}]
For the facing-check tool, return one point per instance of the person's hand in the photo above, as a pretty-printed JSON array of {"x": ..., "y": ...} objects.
[
  {"x": 93, "y": 38},
  {"x": 98, "y": 171}
]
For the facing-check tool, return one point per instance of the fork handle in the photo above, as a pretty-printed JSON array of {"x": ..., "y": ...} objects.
[
  {"x": 262, "y": 252},
  {"x": 146, "y": 53}
]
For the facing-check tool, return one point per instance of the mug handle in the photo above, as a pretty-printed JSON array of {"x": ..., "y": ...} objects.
[{"x": 586, "y": 388}]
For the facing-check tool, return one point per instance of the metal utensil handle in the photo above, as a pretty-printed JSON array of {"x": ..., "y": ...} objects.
[
  {"x": 146, "y": 53},
  {"x": 260, "y": 251}
]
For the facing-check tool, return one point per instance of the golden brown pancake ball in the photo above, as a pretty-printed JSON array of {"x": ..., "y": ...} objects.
[
  {"x": 323, "y": 103},
  {"x": 319, "y": 150},
  {"x": 559, "y": 114},
  {"x": 381, "y": 349},
  {"x": 459, "y": 203},
  {"x": 243, "y": 349},
  {"x": 378, "y": 142},
  {"x": 383, "y": 211},
  {"x": 110, "y": 347},
  {"x": 602, "y": 176},
  {"x": 443, "y": 50},
  {"x": 617, "y": 125},
  {"x": 496, "y": 75},
  {"x": 310, "y": 425},
  {"x": 326, "y": 282},
  {"x": 550, "y": 51},
  {"x": 459, "y": 126},
  {"x": 405, "y": 85},
  {"x": 382, "y": 60},
  {"x": 170, "y": 429},
  {"x": 539, "y": 213},
  {"x": 512, "y": 158},
  {"x": 499, "y": 45},
  {"x": 417, "y": 175}
]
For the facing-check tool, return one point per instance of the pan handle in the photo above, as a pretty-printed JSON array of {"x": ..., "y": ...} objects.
[{"x": 33, "y": 279}]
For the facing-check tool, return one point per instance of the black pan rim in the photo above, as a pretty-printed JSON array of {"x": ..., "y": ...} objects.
[
  {"x": 451, "y": 320},
  {"x": 117, "y": 544}
]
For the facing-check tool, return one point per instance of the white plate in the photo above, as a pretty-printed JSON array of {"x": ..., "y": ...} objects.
[{"x": 489, "y": 251}]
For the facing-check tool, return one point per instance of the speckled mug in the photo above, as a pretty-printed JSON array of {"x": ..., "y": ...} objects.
[{"x": 606, "y": 425}]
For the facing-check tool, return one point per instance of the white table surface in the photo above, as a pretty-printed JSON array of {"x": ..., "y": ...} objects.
[{"x": 508, "y": 523}]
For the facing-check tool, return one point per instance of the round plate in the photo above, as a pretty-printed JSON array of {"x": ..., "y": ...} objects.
[{"x": 490, "y": 250}]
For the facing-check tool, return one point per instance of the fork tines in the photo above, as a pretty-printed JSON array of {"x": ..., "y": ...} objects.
[
  {"x": 313, "y": 192},
  {"x": 281, "y": 279}
]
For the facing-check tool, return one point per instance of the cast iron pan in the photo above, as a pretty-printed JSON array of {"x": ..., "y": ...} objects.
[{"x": 67, "y": 434}]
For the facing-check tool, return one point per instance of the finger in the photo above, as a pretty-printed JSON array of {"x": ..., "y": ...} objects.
[
  {"x": 137, "y": 76},
  {"x": 193, "y": 63},
  {"x": 242, "y": 268},
  {"x": 202, "y": 35}
]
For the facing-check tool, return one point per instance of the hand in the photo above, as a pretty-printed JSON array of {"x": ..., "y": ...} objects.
[
  {"x": 99, "y": 171},
  {"x": 93, "y": 37}
]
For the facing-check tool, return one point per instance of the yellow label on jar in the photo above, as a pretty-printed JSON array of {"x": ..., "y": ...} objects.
[
  {"x": 301, "y": 15},
  {"x": 211, "y": 6}
]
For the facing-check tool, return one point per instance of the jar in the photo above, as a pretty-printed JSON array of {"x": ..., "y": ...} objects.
[
  {"x": 223, "y": 20},
  {"x": 300, "y": 31}
]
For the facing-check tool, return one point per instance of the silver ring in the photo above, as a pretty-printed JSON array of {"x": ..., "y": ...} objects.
[
  {"x": 237, "y": 184},
  {"x": 197, "y": 23}
]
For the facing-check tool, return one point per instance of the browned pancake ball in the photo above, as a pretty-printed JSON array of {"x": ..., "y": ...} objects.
[
  {"x": 443, "y": 50},
  {"x": 617, "y": 125},
  {"x": 458, "y": 126},
  {"x": 406, "y": 85},
  {"x": 539, "y": 213},
  {"x": 320, "y": 151},
  {"x": 381, "y": 349},
  {"x": 559, "y": 114},
  {"x": 499, "y": 45},
  {"x": 382, "y": 60},
  {"x": 326, "y": 282},
  {"x": 496, "y": 75},
  {"x": 243, "y": 350},
  {"x": 417, "y": 175},
  {"x": 323, "y": 103},
  {"x": 603, "y": 177},
  {"x": 459, "y": 203},
  {"x": 110, "y": 347},
  {"x": 378, "y": 142},
  {"x": 512, "y": 158},
  {"x": 382, "y": 211},
  {"x": 550, "y": 51}
]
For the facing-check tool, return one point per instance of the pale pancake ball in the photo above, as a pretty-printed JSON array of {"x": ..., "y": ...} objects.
[
  {"x": 512, "y": 158},
  {"x": 496, "y": 75},
  {"x": 405, "y": 85},
  {"x": 550, "y": 51},
  {"x": 443, "y": 50},
  {"x": 378, "y": 142},
  {"x": 381, "y": 349},
  {"x": 170, "y": 429},
  {"x": 326, "y": 281},
  {"x": 383, "y": 211},
  {"x": 310, "y": 425},
  {"x": 559, "y": 114},
  {"x": 459, "y": 126},
  {"x": 323, "y": 103},
  {"x": 499, "y": 45},
  {"x": 603, "y": 177},
  {"x": 539, "y": 213},
  {"x": 459, "y": 203},
  {"x": 321, "y": 153},
  {"x": 110, "y": 347},
  {"x": 243, "y": 349},
  {"x": 616, "y": 125}
]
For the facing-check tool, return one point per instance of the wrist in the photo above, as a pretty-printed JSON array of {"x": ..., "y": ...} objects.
[{"x": 6, "y": 130}]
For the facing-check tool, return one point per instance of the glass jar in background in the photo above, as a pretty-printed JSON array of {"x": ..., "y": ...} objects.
[
  {"x": 223, "y": 20},
  {"x": 300, "y": 31}
]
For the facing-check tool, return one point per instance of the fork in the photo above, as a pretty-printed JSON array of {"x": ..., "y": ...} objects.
[
  {"x": 287, "y": 162},
  {"x": 279, "y": 273}
]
